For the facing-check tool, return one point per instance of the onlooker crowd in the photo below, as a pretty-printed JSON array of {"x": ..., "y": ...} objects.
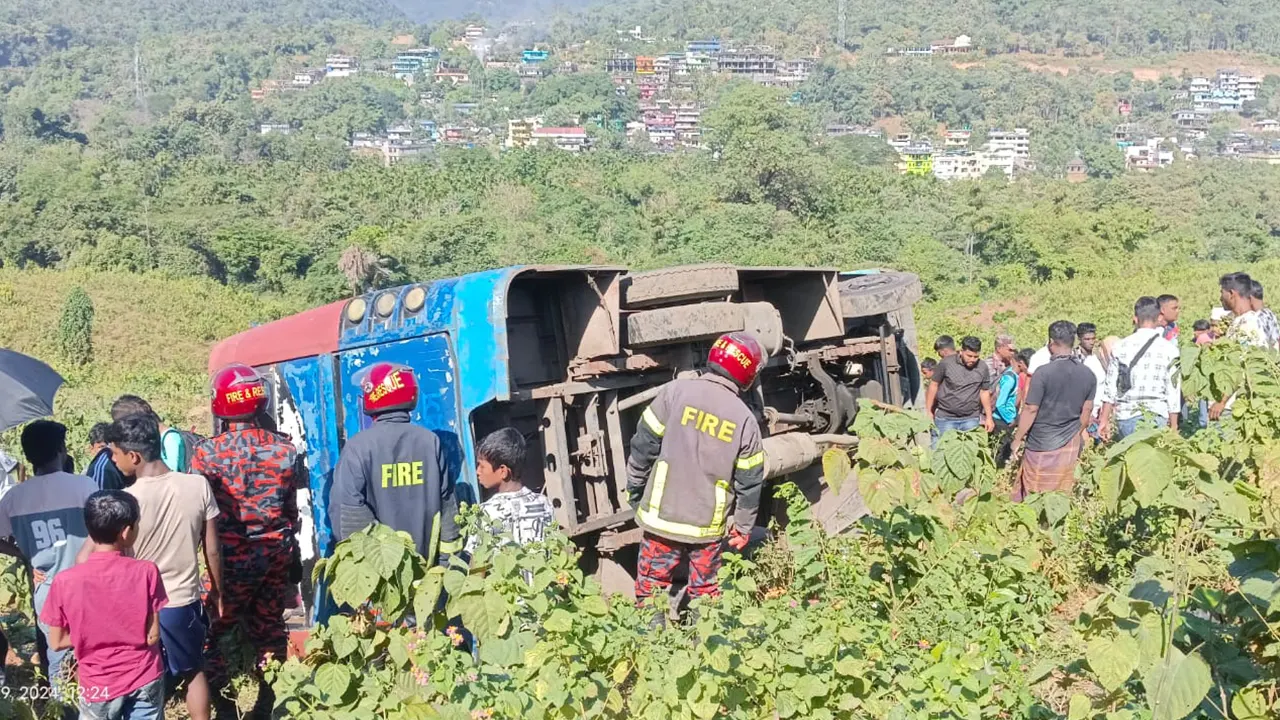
[{"x": 1044, "y": 404}]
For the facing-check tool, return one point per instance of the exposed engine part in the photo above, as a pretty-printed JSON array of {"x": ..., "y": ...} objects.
[
  {"x": 835, "y": 412},
  {"x": 791, "y": 452}
]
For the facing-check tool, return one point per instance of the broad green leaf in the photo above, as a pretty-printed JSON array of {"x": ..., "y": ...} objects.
[
  {"x": 354, "y": 585},
  {"x": 752, "y": 616},
  {"x": 427, "y": 595},
  {"x": 1110, "y": 483},
  {"x": 1250, "y": 704},
  {"x": 1079, "y": 707},
  {"x": 344, "y": 644},
  {"x": 849, "y": 667},
  {"x": 333, "y": 681},
  {"x": 836, "y": 468},
  {"x": 594, "y": 605},
  {"x": 1056, "y": 507},
  {"x": 1177, "y": 685},
  {"x": 1150, "y": 639},
  {"x": 876, "y": 452},
  {"x": 485, "y": 616},
  {"x": 558, "y": 621},
  {"x": 1150, "y": 469},
  {"x": 1262, "y": 589},
  {"x": 504, "y": 564},
  {"x": 1113, "y": 659},
  {"x": 1141, "y": 436},
  {"x": 809, "y": 687},
  {"x": 621, "y": 671},
  {"x": 681, "y": 664},
  {"x": 386, "y": 557}
]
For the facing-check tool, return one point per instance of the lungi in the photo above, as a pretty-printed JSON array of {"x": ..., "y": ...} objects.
[{"x": 1048, "y": 470}]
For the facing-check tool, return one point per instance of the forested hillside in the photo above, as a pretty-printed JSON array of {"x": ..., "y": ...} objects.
[{"x": 1076, "y": 27}]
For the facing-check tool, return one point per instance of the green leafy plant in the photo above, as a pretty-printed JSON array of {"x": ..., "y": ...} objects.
[{"x": 75, "y": 328}]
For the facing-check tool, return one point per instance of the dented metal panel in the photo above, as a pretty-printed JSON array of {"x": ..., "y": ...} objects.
[{"x": 437, "y": 409}]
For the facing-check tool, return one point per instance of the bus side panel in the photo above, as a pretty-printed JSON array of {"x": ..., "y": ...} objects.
[
  {"x": 305, "y": 412},
  {"x": 432, "y": 361}
]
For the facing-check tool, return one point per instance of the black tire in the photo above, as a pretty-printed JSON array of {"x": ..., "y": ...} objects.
[
  {"x": 877, "y": 294},
  {"x": 701, "y": 321},
  {"x": 678, "y": 284}
]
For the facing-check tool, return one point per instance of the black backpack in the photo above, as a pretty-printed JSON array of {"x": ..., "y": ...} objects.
[{"x": 1124, "y": 381}]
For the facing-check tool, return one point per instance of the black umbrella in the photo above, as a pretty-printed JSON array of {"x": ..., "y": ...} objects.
[{"x": 27, "y": 387}]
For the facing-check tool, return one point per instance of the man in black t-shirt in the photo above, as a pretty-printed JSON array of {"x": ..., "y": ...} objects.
[
  {"x": 959, "y": 397},
  {"x": 1054, "y": 417}
]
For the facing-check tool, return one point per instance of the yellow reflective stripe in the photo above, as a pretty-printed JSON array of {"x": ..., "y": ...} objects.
[
  {"x": 651, "y": 419},
  {"x": 451, "y": 547},
  {"x": 722, "y": 501},
  {"x": 435, "y": 539},
  {"x": 747, "y": 463},
  {"x": 650, "y": 517}
]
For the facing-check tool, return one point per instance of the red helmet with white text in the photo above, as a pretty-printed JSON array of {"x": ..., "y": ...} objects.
[
  {"x": 388, "y": 386},
  {"x": 238, "y": 392},
  {"x": 737, "y": 356}
]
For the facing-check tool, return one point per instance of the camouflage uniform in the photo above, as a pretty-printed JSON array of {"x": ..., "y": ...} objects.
[{"x": 254, "y": 474}]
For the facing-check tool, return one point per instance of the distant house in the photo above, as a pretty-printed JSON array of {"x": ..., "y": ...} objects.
[
  {"x": 916, "y": 159},
  {"x": 520, "y": 132},
  {"x": 620, "y": 64},
  {"x": 456, "y": 76},
  {"x": 960, "y": 45},
  {"x": 1266, "y": 126},
  {"x": 1077, "y": 171},
  {"x": 571, "y": 139},
  {"x": 1147, "y": 156},
  {"x": 338, "y": 66},
  {"x": 957, "y": 139},
  {"x": 275, "y": 129},
  {"x": 307, "y": 78}
]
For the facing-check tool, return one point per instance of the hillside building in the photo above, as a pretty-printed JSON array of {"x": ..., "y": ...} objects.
[
  {"x": 1017, "y": 140},
  {"x": 520, "y": 132},
  {"x": 1147, "y": 156},
  {"x": 570, "y": 139},
  {"x": 1077, "y": 171},
  {"x": 749, "y": 61},
  {"x": 957, "y": 139},
  {"x": 916, "y": 159},
  {"x": 339, "y": 66}
]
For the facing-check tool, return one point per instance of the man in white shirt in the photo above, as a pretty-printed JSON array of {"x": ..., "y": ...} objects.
[
  {"x": 1153, "y": 384},
  {"x": 1039, "y": 359},
  {"x": 1247, "y": 326},
  {"x": 1087, "y": 333}
]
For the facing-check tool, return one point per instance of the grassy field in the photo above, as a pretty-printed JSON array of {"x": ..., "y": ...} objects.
[
  {"x": 1106, "y": 301},
  {"x": 151, "y": 337}
]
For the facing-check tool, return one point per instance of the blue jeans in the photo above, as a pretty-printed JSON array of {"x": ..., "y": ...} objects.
[
  {"x": 943, "y": 425},
  {"x": 1129, "y": 426},
  {"x": 145, "y": 703}
]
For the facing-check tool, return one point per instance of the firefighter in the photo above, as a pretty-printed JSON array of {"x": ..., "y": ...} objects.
[
  {"x": 395, "y": 472},
  {"x": 255, "y": 474},
  {"x": 696, "y": 462}
]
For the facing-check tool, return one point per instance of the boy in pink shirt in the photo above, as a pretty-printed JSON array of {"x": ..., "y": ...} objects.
[{"x": 108, "y": 609}]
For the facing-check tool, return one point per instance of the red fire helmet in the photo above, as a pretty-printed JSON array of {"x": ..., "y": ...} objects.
[
  {"x": 387, "y": 386},
  {"x": 238, "y": 392},
  {"x": 737, "y": 356}
]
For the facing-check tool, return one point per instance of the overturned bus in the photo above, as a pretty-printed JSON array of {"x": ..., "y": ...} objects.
[{"x": 570, "y": 356}]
